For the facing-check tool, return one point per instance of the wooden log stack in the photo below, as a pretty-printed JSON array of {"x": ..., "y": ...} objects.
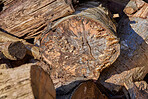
[{"x": 82, "y": 52}]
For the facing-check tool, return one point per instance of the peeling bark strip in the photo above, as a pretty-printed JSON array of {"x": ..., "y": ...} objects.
[
  {"x": 26, "y": 82},
  {"x": 28, "y": 17},
  {"x": 13, "y": 50},
  {"x": 31, "y": 49},
  {"x": 80, "y": 46},
  {"x": 133, "y": 60}
]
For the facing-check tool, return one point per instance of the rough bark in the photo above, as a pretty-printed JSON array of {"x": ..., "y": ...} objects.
[
  {"x": 26, "y": 18},
  {"x": 26, "y": 82},
  {"x": 13, "y": 50},
  {"x": 31, "y": 49},
  {"x": 132, "y": 62},
  {"x": 80, "y": 46}
]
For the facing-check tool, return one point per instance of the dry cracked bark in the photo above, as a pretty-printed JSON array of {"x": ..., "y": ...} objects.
[
  {"x": 28, "y": 81},
  {"x": 26, "y": 18},
  {"x": 80, "y": 46}
]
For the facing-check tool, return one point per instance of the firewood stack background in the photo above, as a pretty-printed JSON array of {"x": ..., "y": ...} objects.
[{"x": 73, "y": 49}]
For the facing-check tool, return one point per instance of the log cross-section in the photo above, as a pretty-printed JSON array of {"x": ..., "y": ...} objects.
[
  {"x": 26, "y": 82},
  {"x": 81, "y": 45}
]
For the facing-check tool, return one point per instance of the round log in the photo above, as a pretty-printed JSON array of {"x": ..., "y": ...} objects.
[
  {"x": 28, "y": 81},
  {"x": 80, "y": 46},
  {"x": 13, "y": 50}
]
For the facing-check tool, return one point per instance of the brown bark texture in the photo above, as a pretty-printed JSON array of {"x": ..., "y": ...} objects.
[
  {"x": 80, "y": 46},
  {"x": 132, "y": 62},
  {"x": 26, "y": 18},
  {"x": 31, "y": 49},
  {"x": 28, "y": 81},
  {"x": 13, "y": 50}
]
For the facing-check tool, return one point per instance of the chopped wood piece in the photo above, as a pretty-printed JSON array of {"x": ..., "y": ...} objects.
[
  {"x": 132, "y": 61},
  {"x": 133, "y": 90},
  {"x": 131, "y": 7},
  {"x": 31, "y": 49},
  {"x": 80, "y": 46},
  {"x": 137, "y": 8},
  {"x": 26, "y": 18},
  {"x": 28, "y": 81},
  {"x": 87, "y": 90},
  {"x": 13, "y": 50},
  {"x": 115, "y": 15}
]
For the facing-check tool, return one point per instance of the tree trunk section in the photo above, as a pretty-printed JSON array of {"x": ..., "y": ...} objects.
[
  {"x": 26, "y": 18},
  {"x": 132, "y": 62},
  {"x": 80, "y": 46},
  {"x": 26, "y": 82}
]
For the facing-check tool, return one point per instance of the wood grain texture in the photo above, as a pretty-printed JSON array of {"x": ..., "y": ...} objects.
[
  {"x": 132, "y": 62},
  {"x": 26, "y": 82},
  {"x": 26, "y": 18},
  {"x": 80, "y": 46}
]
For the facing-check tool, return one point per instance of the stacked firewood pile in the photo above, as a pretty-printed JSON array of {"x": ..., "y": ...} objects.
[{"x": 73, "y": 49}]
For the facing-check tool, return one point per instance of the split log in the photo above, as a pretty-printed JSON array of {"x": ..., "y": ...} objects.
[
  {"x": 26, "y": 82},
  {"x": 132, "y": 62},
  {"x": 80, "y": 46},
  {"x": 13, "y": 50},
  {"x": 26, "y": 18},
  {"x": 31, "y": 49}
]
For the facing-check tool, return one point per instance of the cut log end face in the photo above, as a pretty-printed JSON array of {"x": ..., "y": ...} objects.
[
  {"x": 17, "y": 49},
  {"x": 79, "y": 47}
]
